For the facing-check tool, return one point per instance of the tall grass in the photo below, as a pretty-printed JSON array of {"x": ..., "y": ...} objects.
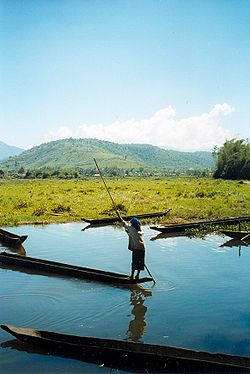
[{"x": 46, "y": 201}]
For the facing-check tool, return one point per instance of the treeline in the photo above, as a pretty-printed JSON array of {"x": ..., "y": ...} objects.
[
  {"x": 233, "y": 160},
  {"x": 78, "y": 173}
]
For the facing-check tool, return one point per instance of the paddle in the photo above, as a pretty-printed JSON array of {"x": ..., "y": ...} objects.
[{"x": 118, "y": 214}]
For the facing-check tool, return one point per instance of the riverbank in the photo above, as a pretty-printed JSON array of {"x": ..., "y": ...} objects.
[{"x": 50, "y": 201}]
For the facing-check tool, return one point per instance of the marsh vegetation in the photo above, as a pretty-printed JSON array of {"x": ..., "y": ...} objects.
[{"x": 47, "y": 201}]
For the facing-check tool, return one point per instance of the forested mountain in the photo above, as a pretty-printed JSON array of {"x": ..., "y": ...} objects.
[
  {"x": 8, "y": 150},
  {"x": 79, "y": 154}
]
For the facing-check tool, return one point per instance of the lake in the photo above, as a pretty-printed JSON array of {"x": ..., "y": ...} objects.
[{"x": 200, "y": 299}]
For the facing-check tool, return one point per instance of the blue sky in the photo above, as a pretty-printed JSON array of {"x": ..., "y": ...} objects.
[{"x": 173, "y": 73}]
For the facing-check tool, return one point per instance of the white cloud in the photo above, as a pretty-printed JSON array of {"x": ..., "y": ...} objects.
[{"x": 163, "y": 129}]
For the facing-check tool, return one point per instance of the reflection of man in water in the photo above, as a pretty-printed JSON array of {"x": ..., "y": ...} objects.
[{"x": 137, "y": 325}]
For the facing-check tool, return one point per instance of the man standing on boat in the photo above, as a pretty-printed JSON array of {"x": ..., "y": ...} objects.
[{"x": 135, "y": 244}]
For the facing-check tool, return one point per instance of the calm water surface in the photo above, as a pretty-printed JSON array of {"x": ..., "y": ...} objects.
[{"x": 200, "y": 299}]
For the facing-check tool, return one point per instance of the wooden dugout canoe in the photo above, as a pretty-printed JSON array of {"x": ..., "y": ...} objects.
[
  {"x": 45, "y": 266},
  {"x": 133, "y": 355},
  {"x": 191, "y": 225},
  {"x": 110, "y": 220},
  {"x": 10, "y": 238},
  {"x": 240, "y": 235}
]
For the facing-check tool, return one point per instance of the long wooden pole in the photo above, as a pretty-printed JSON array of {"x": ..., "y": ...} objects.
[
  {"x": 116, "y": 209},
  {"x": 150, "y": 274},
  {"x": 106, "y": 186}
]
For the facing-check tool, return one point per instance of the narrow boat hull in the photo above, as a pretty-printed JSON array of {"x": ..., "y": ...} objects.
[
  {"x": 240, "y": 235},
  {"x": 117, "y": 353},
  {"x": 186, "y": 226},
  {"x": 10, "y": 238},
  {"x": 110, "y": 220},
  {"x": 15, "y": 262}
]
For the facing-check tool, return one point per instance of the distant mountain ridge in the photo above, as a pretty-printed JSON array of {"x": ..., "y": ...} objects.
[
  {"x": 79, "y": 153},
  {"x": 8, "y": 150}
]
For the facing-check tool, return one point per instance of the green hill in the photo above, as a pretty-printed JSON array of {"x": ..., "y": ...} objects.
[
  {"x": 79, "y": 154},
  {"x": 8, "y": 150}
]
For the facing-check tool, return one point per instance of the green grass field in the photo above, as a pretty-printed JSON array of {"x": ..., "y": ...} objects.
[{"x": 47, "y": 201}]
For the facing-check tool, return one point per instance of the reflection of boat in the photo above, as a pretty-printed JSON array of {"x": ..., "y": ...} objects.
[
  {"x": 10, "y": 238},
  {"x": 117, "y": 353},
  {"x": 126, "y": 218},
  {"x": 240, "y": 235},
  {"x": 185, "y": 226},
  {"x": 19, "y": 249},
  {"x": 14, "y": 262},
  {"x": 96, "y": 225},
  {"x": 167, "y": 235},
  {"x": 235, "y": 243}
]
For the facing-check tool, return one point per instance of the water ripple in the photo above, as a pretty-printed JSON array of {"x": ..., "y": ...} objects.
[{"x": 165, "y": 285}]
